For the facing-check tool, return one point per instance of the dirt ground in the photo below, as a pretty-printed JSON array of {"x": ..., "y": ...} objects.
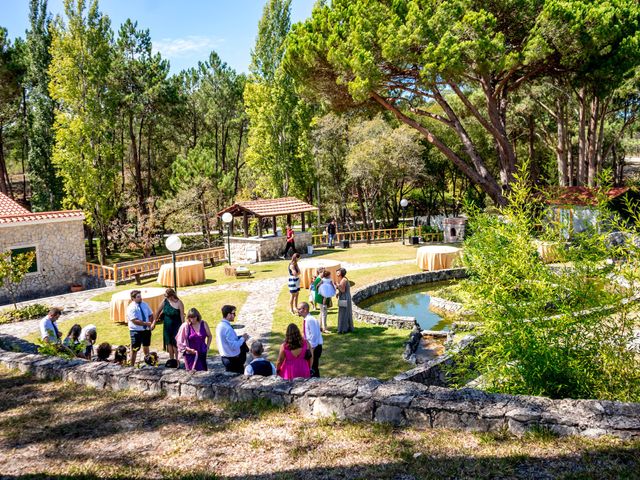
[{"x": 61, "y": 430}]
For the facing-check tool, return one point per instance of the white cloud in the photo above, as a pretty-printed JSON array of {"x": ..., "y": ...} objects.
[{"x": 186, "y": 46}]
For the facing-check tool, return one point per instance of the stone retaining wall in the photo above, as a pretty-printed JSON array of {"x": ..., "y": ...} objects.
[
  {"x": 359, "y": 399},
  {"x": 397, "y": 321}
]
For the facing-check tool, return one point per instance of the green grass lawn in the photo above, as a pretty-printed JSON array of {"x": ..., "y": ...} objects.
[
  {"x": 208, "y": 304},
  {"x": 366, "y": 253},
  {"x": 370, "y": 351}
]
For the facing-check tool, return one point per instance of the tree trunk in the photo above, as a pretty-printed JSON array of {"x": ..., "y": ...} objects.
[
  {"x": 582, "y": 138},
  {"x": 5, "y": 181},
  {"x": 592, "y": 141},
  {"x": 561, "y": 146},
  {"x": 363, "y": 211}
]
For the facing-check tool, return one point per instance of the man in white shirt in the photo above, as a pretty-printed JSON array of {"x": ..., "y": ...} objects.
[
  {"x": 233, "y": 349},
  {"x": 311, "y": 331},
  {"x": 88, "y": 335},
  {"x": 259, "y": 365},
  {"x": 140, "y": 319},
  {"x": 49, "y": 332}
]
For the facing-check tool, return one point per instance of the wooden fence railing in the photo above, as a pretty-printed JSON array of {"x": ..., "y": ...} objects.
[
  {"x": 374, "y": 235},
  {"x": 124, "y": 271}
]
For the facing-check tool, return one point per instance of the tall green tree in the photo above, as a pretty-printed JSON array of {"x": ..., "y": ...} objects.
[
  {"x": 46, "y": 186},
  {"x": 279, "y": 119},
  {"x": 456, "y": 63},
  {"x": 86, "y": 150}
]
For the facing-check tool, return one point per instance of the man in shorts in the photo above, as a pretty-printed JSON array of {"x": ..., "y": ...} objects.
[{"x": 140, "y": 319}]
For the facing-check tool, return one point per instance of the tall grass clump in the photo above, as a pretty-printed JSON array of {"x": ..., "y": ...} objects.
[{"x": 565, "y": 330}]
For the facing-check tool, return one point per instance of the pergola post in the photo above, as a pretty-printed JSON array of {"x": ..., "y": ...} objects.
[
  {"x": 245, "y": 224},
  {"x": 260, "y": 227},
  {"x": 302, "y": 220},
  {"x": 289, "y": 219},
  {"x": 275, "y": 226}
]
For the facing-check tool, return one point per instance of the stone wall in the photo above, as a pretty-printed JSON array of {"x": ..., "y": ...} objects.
[
  {"x": 397, "y": 321},
  {"x": 266, "y": 248},
  {"x": 60, "y": 254},
  {"x": 358, "y": 399}
]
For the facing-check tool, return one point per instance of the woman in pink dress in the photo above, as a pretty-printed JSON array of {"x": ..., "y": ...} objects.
[
  {"x": 296, "y": 355},
  {"x": 194, "y": 339}
]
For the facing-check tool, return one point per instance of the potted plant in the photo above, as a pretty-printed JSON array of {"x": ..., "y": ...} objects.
[{"x": 76, "y": 287}]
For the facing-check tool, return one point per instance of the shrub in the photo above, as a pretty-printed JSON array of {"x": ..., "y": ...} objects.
[
  {"x": 549, "y": 332},
  {"x": 29, "y": 312}
]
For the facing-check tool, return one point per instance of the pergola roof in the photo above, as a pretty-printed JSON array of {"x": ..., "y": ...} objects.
[
  {"x": 272, "y": 207},
  {"x": 579, "y": 196}
]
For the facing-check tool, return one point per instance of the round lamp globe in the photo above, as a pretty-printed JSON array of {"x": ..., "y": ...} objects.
[
  {"x": 404, "y": 202},
  {"x": 173, "y": 243},
  {"x": 227, "y": 217}
]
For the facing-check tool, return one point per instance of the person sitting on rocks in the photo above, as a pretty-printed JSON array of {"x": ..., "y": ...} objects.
[
  {"x": 49, "y": 332},
  {"x": 259, "y": 365},
  {"x": 120, "y": 355},
  {"x": 104, "y": 352},
  {"x": 88, "y": 336},
  {"x": 73, "y": 337}
]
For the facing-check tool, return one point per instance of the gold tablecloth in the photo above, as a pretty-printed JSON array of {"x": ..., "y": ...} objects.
[
  {"x": 437, "y": 257},
  {"x": 121, "y": 300},
  {"x": 309, "y": 267},
  {"x": 189, "y": 273}
]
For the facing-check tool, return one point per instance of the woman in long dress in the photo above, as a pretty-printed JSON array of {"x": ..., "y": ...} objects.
[
  {"x": 194, "y": 339},
  {"x": 172, "y": 311},
  {"x": 345, "y": 314}
]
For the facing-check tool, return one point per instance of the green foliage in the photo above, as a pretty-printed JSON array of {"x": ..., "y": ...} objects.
[
  {"x": 58, "y": 350},
  {"x": 554, "y": 332},
  {"x": 85, "y": 151},
  {"x": 36, "y": 310},
  {"x": 13, "y": 269}
]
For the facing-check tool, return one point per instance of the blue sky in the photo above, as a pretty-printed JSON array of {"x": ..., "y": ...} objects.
[{"x": 184, "y": 31}]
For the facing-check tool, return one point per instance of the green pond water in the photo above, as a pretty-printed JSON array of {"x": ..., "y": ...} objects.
[{"x": 410, "y": 302}]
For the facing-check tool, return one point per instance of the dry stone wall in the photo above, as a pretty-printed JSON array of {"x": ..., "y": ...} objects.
[
  {"x": 60, "y": 256},
  {"x": 266, "y": 248},
  {"x": 359, "y": 399}
]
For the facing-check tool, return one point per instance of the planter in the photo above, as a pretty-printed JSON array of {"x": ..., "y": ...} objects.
[
  {"x": 76, "y": 288},
  {"x": 345, "y": 243}
]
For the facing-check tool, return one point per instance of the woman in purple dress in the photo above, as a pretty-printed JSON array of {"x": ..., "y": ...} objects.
[{"x": 193, "y": 339}]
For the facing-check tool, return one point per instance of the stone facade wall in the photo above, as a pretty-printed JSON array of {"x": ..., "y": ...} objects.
[
  {"x": 358, "y": 399},
  {"x": 266, "y": 248},
  {"x": 453, "y": 229},
  {"x": 397, "y": 321},
  {"x": 60, "y": 254}
]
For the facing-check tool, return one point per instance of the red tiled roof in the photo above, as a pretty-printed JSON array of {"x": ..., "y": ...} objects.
[
  {"x": 9, "y": 207},
  {"x": 579, "y": 195},
  {"x": 269, "y": 207},
  {"x": 11, "y": 212}
]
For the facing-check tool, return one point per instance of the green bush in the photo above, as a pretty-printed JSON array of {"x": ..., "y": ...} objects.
[
  {"x": 558, "y": 333},
  {"x": 29, "y": 312}
]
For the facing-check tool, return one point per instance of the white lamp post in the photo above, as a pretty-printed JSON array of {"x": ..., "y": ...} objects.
[
  {"x": 173, "y": 244},
  {"x": 403, "y": 203},
  {"x": 228, "y": 218}
]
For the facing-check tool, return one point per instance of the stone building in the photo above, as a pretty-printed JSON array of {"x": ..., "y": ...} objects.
[{"x": 57, "y": 238}]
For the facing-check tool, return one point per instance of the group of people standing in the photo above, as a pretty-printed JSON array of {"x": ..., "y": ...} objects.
[{"x": 321, "y": 292}]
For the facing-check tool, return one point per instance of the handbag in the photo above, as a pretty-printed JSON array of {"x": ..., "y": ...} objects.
[{"x": 343, "y": 303}]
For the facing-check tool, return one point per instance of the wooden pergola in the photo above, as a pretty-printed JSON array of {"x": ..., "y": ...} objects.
[{"x": 274, "y": 207}]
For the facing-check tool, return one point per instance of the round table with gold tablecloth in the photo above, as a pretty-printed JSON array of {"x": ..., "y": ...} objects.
[
  {"x": 189, "y": 273},
  {"x": 121, "y": 300},
  {"x": 309, "y": 267},
  {"x": 437, "y": 257}
]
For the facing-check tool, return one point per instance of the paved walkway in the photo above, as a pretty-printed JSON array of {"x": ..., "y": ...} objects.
[{"x": 256, "y": 315}]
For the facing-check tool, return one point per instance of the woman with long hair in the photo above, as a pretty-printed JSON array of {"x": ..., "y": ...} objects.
[
  {"x": 172, "y": 313},
  {"x": 294, "y": 283},
  {"x": 345, "y": 313},
  {"x": 194, "y": 339},
  {"x": 296, "y": 355}
]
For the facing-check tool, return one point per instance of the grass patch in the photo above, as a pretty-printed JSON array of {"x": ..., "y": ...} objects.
[
  {"x": 369, "y": 253},
  {"x": 209, "y": 305}
]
